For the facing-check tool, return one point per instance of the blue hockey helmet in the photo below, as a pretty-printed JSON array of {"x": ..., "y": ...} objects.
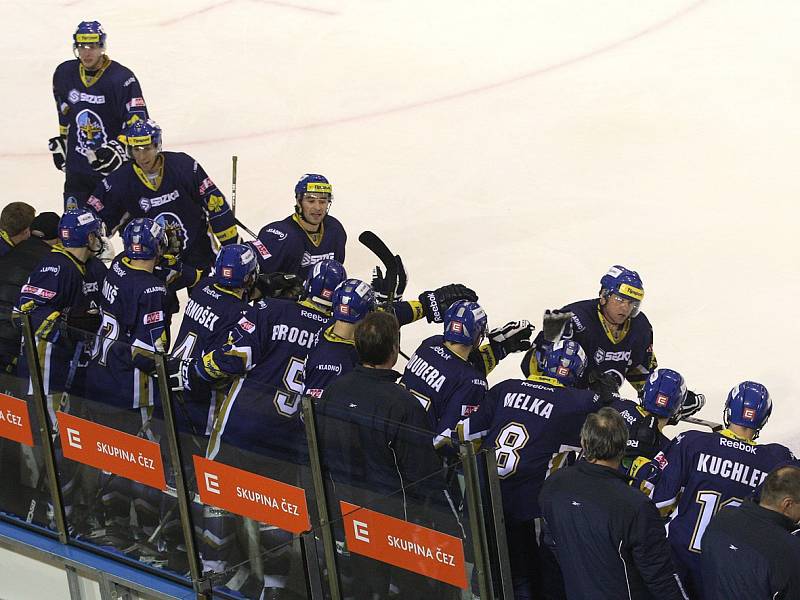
[
  {"x": 748, "y": 405},
  {"x": 89, "y": 32},
  {"x": 236, "y": 266},
  {"x": 313, "y": 183},
  {"x": 76, "y": 225},
  {"x": 352, "y": 300},
  {"x": 565, "y": 362},
  {"x": 624, "y": 283},
  {"x": 322, "y": 280},
  {"x": 664, "y": 393},
  {"x": 142, "y": 133},
  {"x": 465, "y": 323},
  {"x": 144, "y": 239}
]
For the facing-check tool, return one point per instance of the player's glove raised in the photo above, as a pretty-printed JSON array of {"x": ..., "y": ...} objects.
[
  {"x": 553, "y": 324},
  {"x": 514, "y": 336},
  {"x": 279, "y": 285},
  {"x": 176, "y": 238},
  {"x": 58, "y": 149},
  {"x": 107, "y": 157},
  {"x": 604, "y": 383},
  {"x": 436, "y": 302},
  {"x": 382, "y": 286},
  {"x": 693, "y": 404}
]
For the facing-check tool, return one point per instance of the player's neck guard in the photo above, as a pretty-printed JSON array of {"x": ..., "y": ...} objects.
[
  {"x": 145, "y": 179},
  {"x": 614, "y": 338},
  {"x": 90, "y": 80},
  {"x": 545, "y": 379},
  {"x": 335, "y": 338},
  {"x": 315, "y": 236},
  {"x": 731, "y": 435}
]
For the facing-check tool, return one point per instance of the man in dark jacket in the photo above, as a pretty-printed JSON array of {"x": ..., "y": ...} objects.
[
  {"x": 376, "y": 446},
  {"x": 609, "y": 536},
  {"x": 748, "y": 551},
  {"x": 15, "y": 267}
]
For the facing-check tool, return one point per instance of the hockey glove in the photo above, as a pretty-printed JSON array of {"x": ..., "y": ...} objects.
[
  {"x": 643, "y": 439},
  {"x": 553, "y": 324},
  {"x": 279, "y": 285},
  {"x": 693, "y": 404},
  {"x": 436, "y": 302},
  {"x": 382, "y": 286},
  {"x": 604, "y": 383},
  {"x": 58, "y": 149},
  {"x": 107, "y": 157},
  {"x": 184, "y": 375},
  {"x": 514, "y": 336}
]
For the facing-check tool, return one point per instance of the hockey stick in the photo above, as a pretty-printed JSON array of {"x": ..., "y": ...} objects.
[
  {"x": 234, "y": 161},
  {"x": 377, "y": 246},
  {"x": 710, "y": 424},
  {"x": 245, "y": 227}
]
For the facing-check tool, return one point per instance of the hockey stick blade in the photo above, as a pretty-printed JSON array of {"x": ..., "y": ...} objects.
[
  {"x": 710, "y": 424},
  {"x": 377, "y": 246}
]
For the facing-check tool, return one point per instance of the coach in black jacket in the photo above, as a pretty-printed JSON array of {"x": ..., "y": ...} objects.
[
  {"x": 609, "y": 537},
  {"x": 749, "y": 551}
]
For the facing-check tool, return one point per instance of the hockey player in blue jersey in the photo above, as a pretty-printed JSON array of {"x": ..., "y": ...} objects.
[
  {"x": 296, "y": 243},
  {"x": 95, "y": 98},
  {"x": 269, "y": 344},
  {"x": 63, "y": 288},
  {"x": 335, "y": 354},
  {"x": 214, "y": 308},
  {"x": 534, "y": 424},
  {"x": 441, "y": 375},
  {"x": 662, "y": 399},
  {"x": 134, "y": 322},
  {"x": 170, "y": 186},
  {"x": 702, "y": 472},
  {"x": 616, "y": 336}
]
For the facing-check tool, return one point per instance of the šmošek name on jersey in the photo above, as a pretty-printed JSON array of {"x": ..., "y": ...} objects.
[
  {"x": 294, "y": 335},
  {"x": 202, "y": 314},
  {"x": 522, "y": 401},
  {"x": 427, "y": 373},
  {"x": 730, "y": 469}
]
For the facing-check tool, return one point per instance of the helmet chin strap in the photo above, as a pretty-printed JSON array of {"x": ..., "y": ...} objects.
[{"x": 99, "y": 242}]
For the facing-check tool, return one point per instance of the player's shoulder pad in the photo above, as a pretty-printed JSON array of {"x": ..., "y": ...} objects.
[
  {"x": 275, "y": 231},
  {"x": 66, "y": 66},
  {"x": 582, "y": 312},
  {"x": 120, "y": 72},
  {"x": 332, "y": 223}
]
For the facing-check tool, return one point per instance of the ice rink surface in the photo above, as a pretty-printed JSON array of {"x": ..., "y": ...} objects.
[{"x": 519, "y": 147}]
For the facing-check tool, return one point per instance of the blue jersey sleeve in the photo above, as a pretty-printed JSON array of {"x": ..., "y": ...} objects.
[
  {"x": 476, "y": 425},
  {"x": 107, "y": 200},
  {"x": 50, "y": 292},
  {"x": 130, "y": 103},
  {"x": 241, "y": 352}
]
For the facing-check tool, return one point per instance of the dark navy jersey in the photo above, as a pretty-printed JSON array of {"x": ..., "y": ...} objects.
[
  {"x": 183, "y": 194},
  {"x": 59, "y": 286},
  {"x": 331, "y": 357},
  {"x": 535, "y": 424},
  {"x": 448, "y": 387},
  {"x": 269, "y": 344},
  {"x": 702, "y": 472},
  {"x": 5, "y": 243},
  {"x": 133, "y": 327},
  {"x": 633, "y": 413},
  {"x": 211, "y": 312},
  {"x": 93, "y": 110},
  {"x": 284, "y": 246},
  {"x": 628, "y": 355}
]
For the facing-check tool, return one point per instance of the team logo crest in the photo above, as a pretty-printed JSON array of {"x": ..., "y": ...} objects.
[
  {"x": 91, "y": 131},
  {"x": 171, "y": 222}
]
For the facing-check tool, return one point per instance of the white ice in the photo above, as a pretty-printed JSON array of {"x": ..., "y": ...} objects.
[{"x": 519, "y": 147}]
